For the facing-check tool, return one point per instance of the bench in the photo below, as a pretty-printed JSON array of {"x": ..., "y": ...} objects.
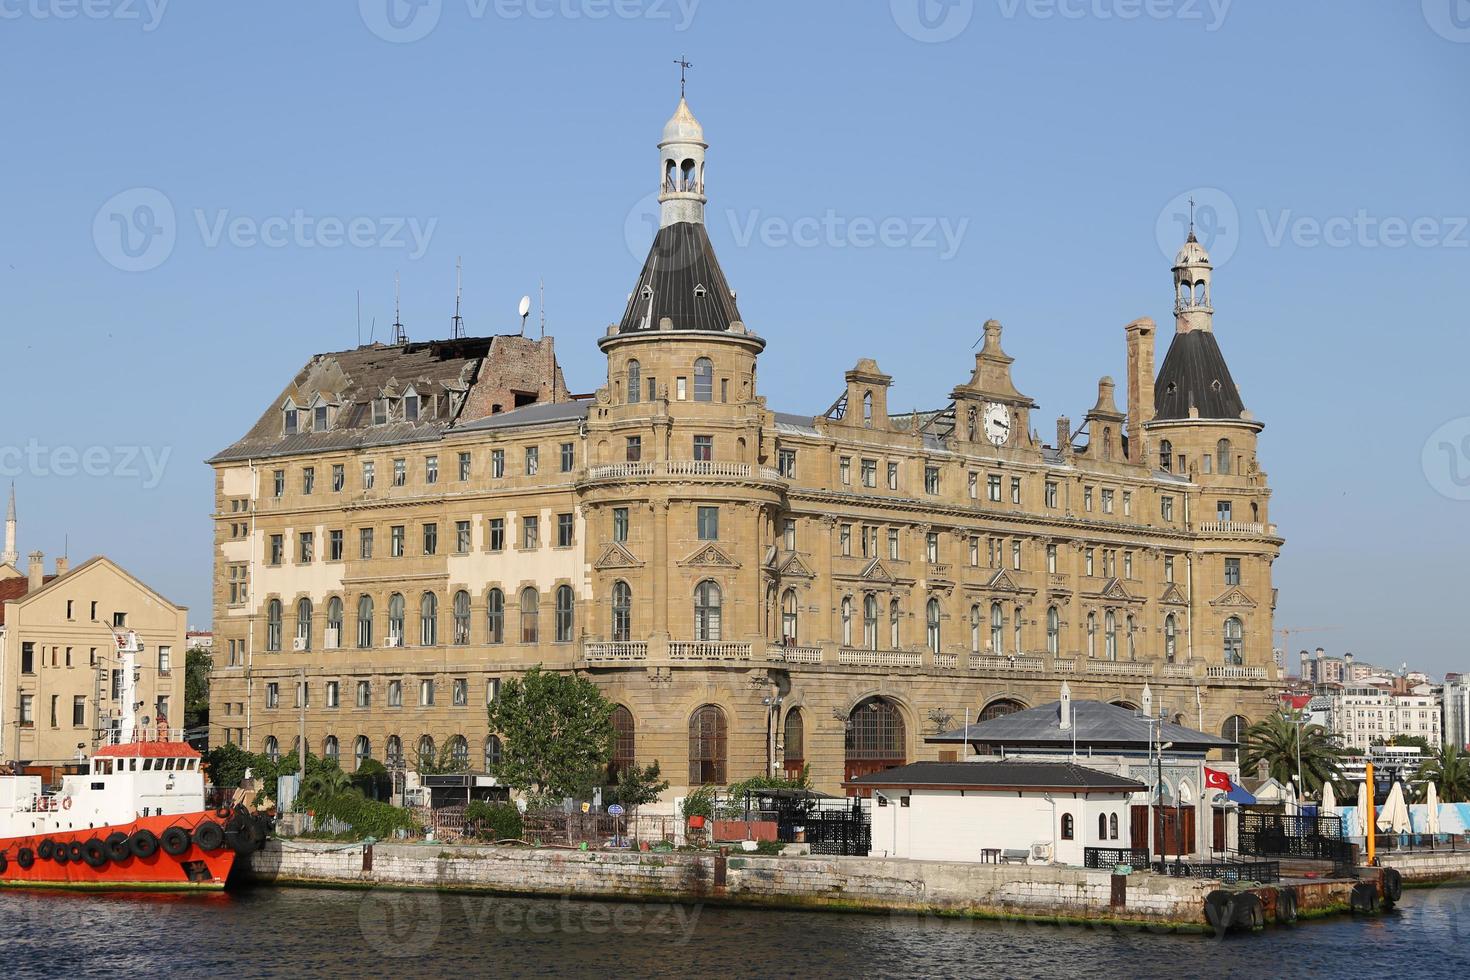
[{"x": 1014, "y": 854}]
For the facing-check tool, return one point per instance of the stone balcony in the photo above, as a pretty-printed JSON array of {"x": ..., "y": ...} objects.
[{"x": 678, "y": 469}]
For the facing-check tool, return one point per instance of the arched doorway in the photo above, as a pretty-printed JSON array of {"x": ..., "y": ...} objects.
[
  {"x": 876, "y": 738},
  {"x": 793, "y": 753},
  {"x": 707, "y": 746}
]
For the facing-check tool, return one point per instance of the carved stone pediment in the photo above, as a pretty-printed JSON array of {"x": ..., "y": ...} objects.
[
  {"x": 1173, "y": 596},
  {"x": 710, "y": 556},
  {"x": 794, "y": 567},
  {"x": 616, "y": 556},
  {"x": 1001, "y": 582},
  {"x": 1234, "y": 597},
  {"x": 876, "y": 571}
]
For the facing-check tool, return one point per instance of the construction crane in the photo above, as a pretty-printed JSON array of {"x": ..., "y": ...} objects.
[{"x": 1288, "y": 632}]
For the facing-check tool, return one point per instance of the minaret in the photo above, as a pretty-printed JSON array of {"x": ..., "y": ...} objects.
[
  {"x": 10, "y": 556},
  {"x": 681, "y": 180},
  {"x": 1192, "y": 272}
]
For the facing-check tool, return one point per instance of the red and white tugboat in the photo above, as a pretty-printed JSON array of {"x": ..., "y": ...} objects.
[{"x": 134, "y": 820}]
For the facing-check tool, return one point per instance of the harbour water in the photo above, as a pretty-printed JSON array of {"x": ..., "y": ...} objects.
[{"x": 303, "y": 932}]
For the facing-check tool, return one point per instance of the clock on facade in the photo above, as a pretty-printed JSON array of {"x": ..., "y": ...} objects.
[{"x": 997, "y": 424}]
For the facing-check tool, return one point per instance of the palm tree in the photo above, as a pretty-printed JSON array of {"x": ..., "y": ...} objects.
[
  {"x": 1449, "y": 770},
  {"x": 1281, "y": 739},
  {"x": 324, "y": 786}
]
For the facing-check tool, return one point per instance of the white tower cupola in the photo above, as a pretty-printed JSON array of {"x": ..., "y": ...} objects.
[
  {"x": 681, "y": 175},
  {"x": 1192, "y": 272}
]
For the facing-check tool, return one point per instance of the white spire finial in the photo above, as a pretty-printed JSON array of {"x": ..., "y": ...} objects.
[
  {"x": 10, "y": 557},
  {"x": 1066, "y": 708}
]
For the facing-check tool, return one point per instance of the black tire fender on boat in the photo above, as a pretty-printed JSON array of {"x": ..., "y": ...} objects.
[
  {"x": 223, "y": 812},
  {"x": 117, "y": 846},
  {"x": 209, "y": 836},
  {"x": 1249, "y": 913},
  {"x": 175, "y": 841},
  {"x": 25, "y": 857},
  {"x": 1286, "y": 906},
  {"x": 47, "y": 849},
  {"x": 4, "y": 863},
  {"x": 1393, "y": 886},
  {"x": 59, "y": 853},
  {"x": 144, "y": 843},
  {"x": 94, "y": 852},
  {"x": 1220, "y": 910},
  {"x": 74, "y": 852},
  {"x": 1364, "y": 898}
]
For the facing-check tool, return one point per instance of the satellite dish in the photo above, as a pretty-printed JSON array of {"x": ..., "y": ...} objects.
[{"x": 525, "y": 307}]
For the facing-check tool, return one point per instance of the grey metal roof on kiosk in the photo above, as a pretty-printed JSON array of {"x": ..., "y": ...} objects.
[
  {"x": 1064, "y": 776},
  {"x": 1094, "y": 723}
]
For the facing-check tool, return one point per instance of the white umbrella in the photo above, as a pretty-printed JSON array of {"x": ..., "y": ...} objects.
[
  {"x": 1431, "y": 811},
  {"x": 1395, "y": 816},
  {"x": 1329, "y": 800},
  {"x": 1364, "y": 802},
  {"x": 1292, "y": 808}
]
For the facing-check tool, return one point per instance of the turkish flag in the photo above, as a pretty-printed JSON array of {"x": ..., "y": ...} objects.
[{"x": 1215, "y": 779}]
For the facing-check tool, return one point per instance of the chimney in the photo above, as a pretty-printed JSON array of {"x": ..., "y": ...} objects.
[
  {"x": 63, "y": 565},
  {"x": 1140, "y": 385},
  {"x": 37, "y": 571},
  {"x": 1263, "y": 770},
  {"x": 1148, "y": 701},
  {"x": 1064, "y": 436},
  {"x": 1066, "y": 708}
]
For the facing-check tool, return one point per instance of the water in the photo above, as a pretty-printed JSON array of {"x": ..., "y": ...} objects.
[{"x": 370, "y": 934}]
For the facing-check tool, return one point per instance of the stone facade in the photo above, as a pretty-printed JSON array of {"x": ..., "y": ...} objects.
[{"x": 759, "y": 590}]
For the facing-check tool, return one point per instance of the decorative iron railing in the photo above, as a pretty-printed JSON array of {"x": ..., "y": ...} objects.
[
  {"x": 1232, "y": 872},
  {"x": 1108, "y": 857},
  {"x": 1316, "y": 838}
]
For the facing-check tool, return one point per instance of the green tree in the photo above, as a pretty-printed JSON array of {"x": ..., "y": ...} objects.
[
  {"x": 556, "y": 731},
  {"x": 197, "y": 665},
  {"x": 1418, "y": 741},
  {"x": 1274, "y": 739},
  {"x": 638, "y": 786},
  {"x": 1449, "y": 770},
  {"x": 439, "y": 763}
]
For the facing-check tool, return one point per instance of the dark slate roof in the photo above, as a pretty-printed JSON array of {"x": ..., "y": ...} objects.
[
  {"x": 681, "y": 260},
  {"x": 543, "y": 414},
  {"x": 1194, "y": 375},
  {"x": 1096, "y": 724},
  {"x": 1001, "y": 775}
]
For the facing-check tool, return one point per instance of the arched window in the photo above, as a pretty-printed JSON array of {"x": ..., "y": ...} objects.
[
  {"x": 493, "y": 753},
  {"x": 426, "y": 757},
  {"x": 997, "y": 629},
  {"x": 1166, "y": 455},
  {"x": 707, "y": 734},
  {"x": 1092, "y": 634},
  {"x": 1107, "y": 442},
  {"x": 461, "y": 618},
  {"x": 867, "y": 408},
  {"x": 429, "y": 620},
  {"x": 870, "y": 621},
  {"x": 1222, "y": 456},
  {"x": 303, "y": 624},
  {"x": 704, "y": 380},
  {"x": 931, "y": 619},
  {"x": 365, "y": 622},
  {"x": 1234, "y": 729},
  {"x": 1113, "y": 826},
  {"x": 876, "y": 733},
  {"x": 394, "y": 752},
  {"x": 1068, "y": 827},
  {"x": 459, "y": 753},
  {"x": 272, "y": 748},
  {"x": 330, "y": 749},
  {"x": 793, "y": 751},
  {"x": 1110, "y": 635},
  {"x": 396, "y": 612},
  {"x": 1234, "y": 641},
  {"x": 789, "y": 616},
  {"x": 975, "y": 629},
  {"x": 530, "y": 615},
  {"x": 1132, "y": 650},
  {"x": 999, "y": 708},
  {"x": 1053, "y": 630},
  {"x": 707, "y": 601},
  {"x": 635, "y": 382},
  {"x": 362, "y": 751},
  {"x": 1171, "y": 638},
  {"x": 273, "y": 625},
  {"x": 333, "y": 637},
  {"x": 495, "y": 617},
  {"x": 894, "y": 618},
  {"x": 1018, "y": 623},
  {"x": 1102, "y": 826},
  {"x": 624, "y": 741},
  {"x": 565, "y": 616},
  {"x": 622, "y": 612}
]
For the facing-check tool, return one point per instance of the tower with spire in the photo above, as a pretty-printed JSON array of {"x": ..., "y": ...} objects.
[{"x": 10, "y": 556}]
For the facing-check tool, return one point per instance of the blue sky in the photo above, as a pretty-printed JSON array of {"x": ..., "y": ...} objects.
[{"x": 1024, "y": 159}]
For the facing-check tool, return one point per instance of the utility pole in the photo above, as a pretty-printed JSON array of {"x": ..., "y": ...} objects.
[{"x": 301, "y": 738}]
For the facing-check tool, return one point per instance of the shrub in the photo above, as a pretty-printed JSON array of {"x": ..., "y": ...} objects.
[
  {"x": 700, "y": 803},
  {"x": 495, "y": 821}
]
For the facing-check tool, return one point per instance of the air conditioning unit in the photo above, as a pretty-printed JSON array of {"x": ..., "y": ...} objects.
[
  {"x": 332, "y": 640},
  {"x": 1041, "y": 851},
  {"x": 393, "y": 641},
  {"x": 298, "y": 644}
]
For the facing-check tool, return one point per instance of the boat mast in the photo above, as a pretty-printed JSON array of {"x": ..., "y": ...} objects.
[{"x": 127, "y": 648}]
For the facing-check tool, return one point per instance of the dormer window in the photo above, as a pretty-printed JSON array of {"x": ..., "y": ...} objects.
[
  {"x": 290, "y": 420},
  {"x": 380, "y": 411},
  {"x": 700, "y": 292},
  {"x": 319, "y": 423},
  {"x": 411, "y": 407}
]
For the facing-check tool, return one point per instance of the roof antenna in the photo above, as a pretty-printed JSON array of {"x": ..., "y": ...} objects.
[
  {"x": 359, "y": 318},
  {"x": 399, "y": 337},
  {"x": 457, "y": 329},
  {"x": 525, "y": 310},
  {"x": 543, "y": 309}
]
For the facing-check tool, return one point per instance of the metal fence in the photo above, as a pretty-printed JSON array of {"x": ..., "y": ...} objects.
[
  {"x": 598, "y": 829},
  {"x": 843, "y": 829},
  {"x": 1232, "y": 872},
  {"x": 1107, "y": 857},
  {"x": 1420, "y": 842},
  {"x": 1311, "y": 837}
]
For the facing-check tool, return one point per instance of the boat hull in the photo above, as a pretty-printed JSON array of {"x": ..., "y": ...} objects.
[{"x": 193, "y": 869}]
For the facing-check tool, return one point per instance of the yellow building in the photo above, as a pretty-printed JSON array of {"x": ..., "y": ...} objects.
[
  {"x": 407, "y": 525},
  {"x": 60, "y": 677}
]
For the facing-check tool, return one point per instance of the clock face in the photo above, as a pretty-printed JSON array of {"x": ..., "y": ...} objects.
[{"x": 997, "y": 424}]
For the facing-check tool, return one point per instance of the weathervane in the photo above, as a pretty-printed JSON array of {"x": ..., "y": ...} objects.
[
  {"x": 1191, "y": 217},
  {"x": 684, "y": 66}
]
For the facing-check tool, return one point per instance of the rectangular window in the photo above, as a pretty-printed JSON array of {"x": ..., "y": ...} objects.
[
  {"x": 1051, "y": 559},
  {"x": 1166, "y": 508},
  {"x": 788, "y": 534},
  {"x": 279, "y": 480},
  {"x": 431, "y": 469},
  {"x": 464, "y": 467},
  {"x": 28, "y": 658},
  {"x": 364, "y": 694},
  {"x": 1223, "y": 512},
  {"x": 1087, "y": 567},
  {"x": 334, "y": 546},
  {"x": 27, "y": 711},
  {"x": 974, "y": 552},
  {"x": 568, "y": 457},
  {"x": 79, "y": 711},
  {"x": 339, "y": 477},
  {"x": 291, "y": 421},
  {"x": 308, "y": 480},
  {"x": 844, "y": 540},
  {"x": 844, "y": 471},
  {"x": 620, "y": 525},
  {"x": 492, "y": 689},
  {"x": 786, "y": 463},
  {"x": 1168, "y": 568},
  {"x": 1016, "y": 555},
  {"x": 364, "y": 543},
  {"x": 461, "y": 537},
  {"x": 1128, "y": 564},
  {"x": 682, "y": 387},
  {"x": 303, "y": 694},
  {"x": 239, "y": 589},
  {"x": 635, "y": 449},
  {"x": 1087, "y": 499},
  {"x": 395, "y": 541},
  {"x": 974, "y": 486},
  {"x": 497, "y": 464},
  {"x": 308, "y": 547},
  {"x": 1232, "y": 571},
  {"x": 333, "y": 694},
  {"x": 380, "y": 411},
  {"x": 992, "y": 487},
  {"x": 870, "y": 473},
  {"x": 461, "y": 692},
  {"x": 564, "y": 528},
  {"x": 1107, "y": 501},
  {"x": 931, "y": 480},
  {"x": 426, "y": 692},
  {"x": 400, "y": 472},
  {"x": 369, "y": 475},
  {"x": 431, "y": 539},
  {"x": 931, "y": 547},
  {"x": 533, "y": 460},
  {"x": 395, "y": 694},
  {"x": 709, "y": 523},
  {"x": 704, "y": 448},
  {"x": 1127, "y": 503},
  {"x": 1051, "y": 494},
  {"x": 530, "y": 533},
  {"x": 893, "y": 543},
  {"x": 893, "y": 476},
  {"x": 497, "y": 534},
  {"x": 1015, "y": 489},
  {"x": 272, "y": 695}
]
